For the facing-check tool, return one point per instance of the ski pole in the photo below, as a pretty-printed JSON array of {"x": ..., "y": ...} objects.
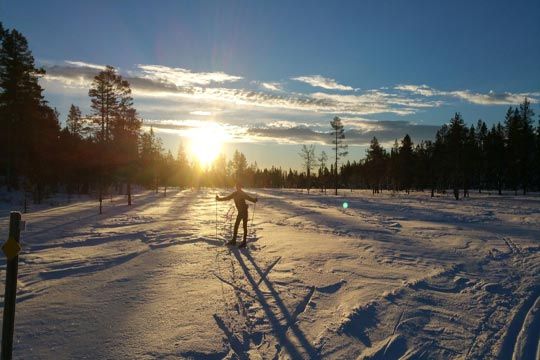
[{"x": 216, "y": 219}]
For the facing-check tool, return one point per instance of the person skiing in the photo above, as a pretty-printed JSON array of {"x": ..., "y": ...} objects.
[{"x": 239, "y": 197}]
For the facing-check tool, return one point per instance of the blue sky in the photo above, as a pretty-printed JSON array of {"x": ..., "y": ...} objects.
[{"x": 272, "y": 74}]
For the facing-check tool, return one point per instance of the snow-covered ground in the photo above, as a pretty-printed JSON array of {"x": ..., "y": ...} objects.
[{"x": 403, "y": 276}]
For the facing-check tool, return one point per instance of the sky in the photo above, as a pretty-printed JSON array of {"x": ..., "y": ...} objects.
[{"x": 266, "y": 77}]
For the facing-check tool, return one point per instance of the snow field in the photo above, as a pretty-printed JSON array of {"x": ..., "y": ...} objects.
[{"x": 391, "y": 276}]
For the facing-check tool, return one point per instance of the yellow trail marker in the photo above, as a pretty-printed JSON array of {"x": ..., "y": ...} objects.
[{"x": 11, "y": 248}]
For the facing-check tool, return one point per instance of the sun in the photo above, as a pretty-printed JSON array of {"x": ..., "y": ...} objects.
[{"x": 206, "y": 142}]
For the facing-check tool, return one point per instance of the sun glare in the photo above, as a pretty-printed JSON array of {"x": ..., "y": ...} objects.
[{"x": 205, "y": 143}]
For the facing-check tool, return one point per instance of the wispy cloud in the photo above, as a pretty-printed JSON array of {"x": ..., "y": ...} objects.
[
  {"x": 182, "y": 86},
  {"x": 272, "y": 86},
  {"x": 85, "y": 65},
  {"x": 166, "y": 83},
  {"x": 490, "y": 98},
  {"x": 183, "y": 77},
  {"x": 360, "y": 133},
  {"x": 322, "y": 82},
  {"x": 423, "y": 90},
  {"x": 177, "y": 91}
]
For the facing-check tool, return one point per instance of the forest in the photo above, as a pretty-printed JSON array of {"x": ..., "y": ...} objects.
[{"x": 107, "y": 151}]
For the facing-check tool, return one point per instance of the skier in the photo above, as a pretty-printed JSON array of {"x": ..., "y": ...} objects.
[{"x": 239, "y": 198}]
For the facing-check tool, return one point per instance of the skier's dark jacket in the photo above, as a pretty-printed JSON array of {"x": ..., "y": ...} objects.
[{"x": 240, "y": 198}]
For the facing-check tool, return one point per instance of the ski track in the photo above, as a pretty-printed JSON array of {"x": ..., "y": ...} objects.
[{"x": 393, "y": 276}]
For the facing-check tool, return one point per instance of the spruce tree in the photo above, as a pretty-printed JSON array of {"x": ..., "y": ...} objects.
[
  {"x": 512, "y": 126},
  {"x": 495, "y": 157},
  {"x": 376, "y": 165},
  {"x": 406, "y": 163},
  {"x": 527, "y": 144},
  {"x": 455, "y": 146},
  {"x": 481, "y": 161},
  {"x": 393, "y": 167}
]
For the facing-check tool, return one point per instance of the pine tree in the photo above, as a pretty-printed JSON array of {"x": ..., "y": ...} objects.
[
  {"x": 126, "y": 132},
  {"x": 340, "y": 148},
  {"x": 29, "y": 128},
  {"x": 239, "y": 165},
  {"x": 111, "y": 105},
  {"x": 108, "y": 93},
  {"x": 74, "y": 121}
]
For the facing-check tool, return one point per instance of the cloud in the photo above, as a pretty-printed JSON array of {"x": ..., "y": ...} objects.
[
  {"x": 360, "y": 134},
  {"x": 423, "y": 90},
  {"x": 201, "y": 113},
  {"x": 161, "y": 83},
  {"x": 272, "y": 86},
  {"x": 86, "y": 65},
  {"x": 357, "y": 132},
  {"x": 183, "y": 77},
  {"x": 188, "y": 128},
  {"x": 76, "y": 74},
  {"x": 490, "y": 98},
  {"x": 166, "y": 92},
  {"x": 322, "y": 82},
  {"x": 318, "y": 102}
]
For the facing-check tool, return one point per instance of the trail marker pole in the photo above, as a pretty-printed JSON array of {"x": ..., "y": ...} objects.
[{"x": 11, "y": 248}]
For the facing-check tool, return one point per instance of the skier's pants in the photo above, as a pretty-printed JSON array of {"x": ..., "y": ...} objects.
[{"x": 242, "y": 215}]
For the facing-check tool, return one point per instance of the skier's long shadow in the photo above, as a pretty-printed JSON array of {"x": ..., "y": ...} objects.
[{"x": 279, "y": 330}]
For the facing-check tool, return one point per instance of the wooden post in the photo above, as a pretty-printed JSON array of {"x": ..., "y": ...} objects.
[{"x": 12, "y": 268}]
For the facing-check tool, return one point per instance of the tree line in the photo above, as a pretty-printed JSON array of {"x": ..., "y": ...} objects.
[
  {"x": 506, "y": 156},
  {"x": 107, "y": 150},
  {"x": 460, "y": 158},
  {"x": 92, "y": 153}
]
